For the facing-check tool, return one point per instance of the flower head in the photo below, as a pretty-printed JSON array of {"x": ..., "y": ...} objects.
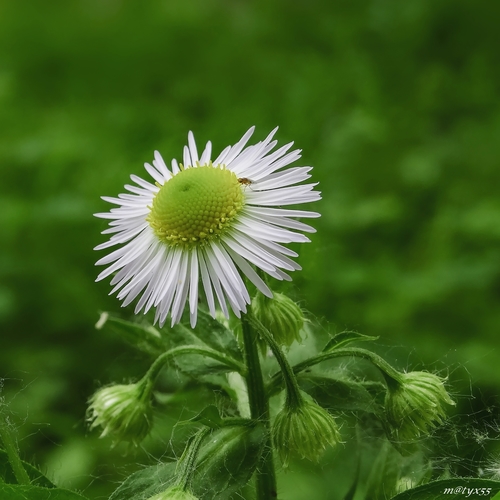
[
  {"x": 123, "y": 411},
  {"x": 207, "y": 218},
  {"x": 280, "y": 315},
  {"x": 415, "y": 405},
  {"x": 305, "y": 431}
]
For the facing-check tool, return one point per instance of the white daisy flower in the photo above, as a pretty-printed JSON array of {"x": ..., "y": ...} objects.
[{"x": 209, "y": 218}]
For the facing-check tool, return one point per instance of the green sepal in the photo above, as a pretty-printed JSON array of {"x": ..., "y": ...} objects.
[
  {"x": 7, "y": 474},
  {"x": 340, "y": 393},
  {"x": 343, "y": 338},
  {"x": 143, "y": 336},
  {"x": 146, "y": 482},
  {"x": 227, "y": 460},
  {"x": 452, "y": 489},
  {"x": 23, "y": 492}
]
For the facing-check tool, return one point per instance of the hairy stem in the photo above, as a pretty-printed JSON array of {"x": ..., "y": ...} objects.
[
  {"x": 11, "y": 449},
  {"x": 160, "y": 361},
  {"x": 391, "y": 375},
  {"x": 293, "y": 396},
  {"x": 259, "y": 410}
]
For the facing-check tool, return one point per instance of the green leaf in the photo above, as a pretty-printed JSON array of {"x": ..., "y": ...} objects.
[
  {"x": 142, "y": 336},
  {"x": 346, "y": 337},
  {"x": 210, "y": 417},
  {"x": 146, "y": 483},
  {"x": 209, "y": 333},
  {"x": 338, "y": 393},
  {"x": 452, "y": 489},
  {"x": 227, "y": 460},
  {"x": 22, "y": 492},
  {"x": 384, "y": 472},
  {"x": 7, "y": 474}
]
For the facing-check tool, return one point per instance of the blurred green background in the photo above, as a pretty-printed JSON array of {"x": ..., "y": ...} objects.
[{"x": 395, "y": 104}]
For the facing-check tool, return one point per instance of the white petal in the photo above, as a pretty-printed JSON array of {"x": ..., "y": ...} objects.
[
  {"x": 148, "y": 294},
  {"x": 260, "y": 229},
  {"x": 285, "y": 196},
  {"x": 161, "y": 166},
  {"x": 182, "y": 287},
  {"x": 206, "y": 284},
  {"x": 282, "y": 179},
  {"x": 192, "y": 148},
  {"x": 166, "y": 292},
  {"x": 220, "y": 159},
  {"x": 154, "y": 173},
  {"x": 193, "y": 283},
  {"x": 236, "y": 149},
  {"x": 169, "y": 288},
  {"x": 275, "y": 250},
  {"x": 231, "y": 272},
  {"x": 159, "y": 277},
  {"x": 228, "y": 285},
  {"x": 253, "y": 171},
  {"x": 250, "y": 252},
  {"x": 205, "y": 156},
  {"x": 145, "y": 184},
  {"x": 175, "y": 167},
  {"x": 250, "y": 273},
  {"x": 216, "y": 284},
  {"x": 123, "y": 235},
  {"x": 279, "y": 212},
  {"x": 280, "y": 221},
  {"x": 187, "y": 158},
  {"x": 138, "y": 190}
]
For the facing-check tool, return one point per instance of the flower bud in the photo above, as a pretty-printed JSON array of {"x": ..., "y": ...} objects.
[
  {"x": 304, "y": 431},
  {"x": 415, "y": 406},
  {"x": 123, "y": 411},
  {"x": 280, "y": 315},
  {"x": 174, "y": 493}
]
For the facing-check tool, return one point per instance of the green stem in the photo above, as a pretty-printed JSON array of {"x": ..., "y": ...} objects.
[
  {"x": 160, "y": 361},
  {"x": 293, "y": 397},
  {"x": 11, "y": 449},
  {"x": 259, "y": 410},
  {"x": 391, "y": 375}
]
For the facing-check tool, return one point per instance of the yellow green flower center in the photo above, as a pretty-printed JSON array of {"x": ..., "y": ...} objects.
[{"x": 196, "y": 206}]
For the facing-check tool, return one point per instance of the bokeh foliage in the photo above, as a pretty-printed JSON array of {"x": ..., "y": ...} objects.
[{"x": 395, "y": 104}]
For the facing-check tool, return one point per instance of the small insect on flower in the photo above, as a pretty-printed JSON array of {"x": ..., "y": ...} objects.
[
  {"x": 244, "y": 181},
  {"x": 197, "y": 224}
]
